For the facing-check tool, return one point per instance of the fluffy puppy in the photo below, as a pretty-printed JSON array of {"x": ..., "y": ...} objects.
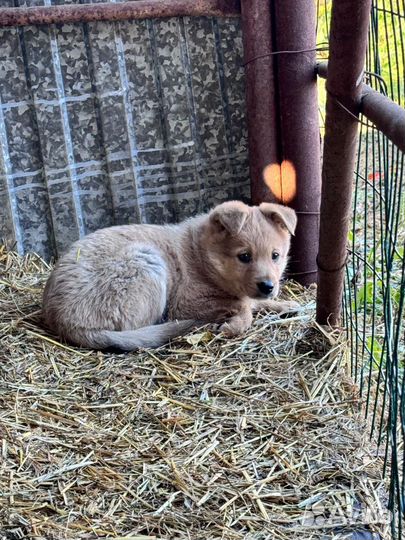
[{"x": 117, "y": 286}]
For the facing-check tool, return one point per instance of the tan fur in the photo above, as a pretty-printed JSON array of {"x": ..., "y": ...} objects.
[{"x": 113, "y": 287}]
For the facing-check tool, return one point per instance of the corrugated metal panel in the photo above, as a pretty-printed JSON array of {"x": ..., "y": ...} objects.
[{"x": 111, "y": 123}]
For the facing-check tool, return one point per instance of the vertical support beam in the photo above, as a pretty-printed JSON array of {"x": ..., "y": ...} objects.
[
  {"x": 295, "y": 30},
  {"x": 347, "y": 50},
  {"x": 260, "y": 94}
]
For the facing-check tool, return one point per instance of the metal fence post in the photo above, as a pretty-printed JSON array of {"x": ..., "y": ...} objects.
[
  {"x": 347, "y": 49},
  {"x": 295, "y": 25},
  {"x": 261, "y": 109}
]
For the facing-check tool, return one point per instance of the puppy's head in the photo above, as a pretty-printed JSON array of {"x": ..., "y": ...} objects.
[{"x": 246, "y": 247}]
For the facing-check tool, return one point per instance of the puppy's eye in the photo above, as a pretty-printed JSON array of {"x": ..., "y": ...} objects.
[
  {"x": 245, "y": 257},
  {"x": 275, "y": 255}
]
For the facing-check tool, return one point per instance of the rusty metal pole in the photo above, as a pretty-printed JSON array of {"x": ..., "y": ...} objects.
[
  {"x": 387, "y": 116},
  {"x": 295, "y": 27},
  {"x": 261, "y": 107},
  {"x": 106, "y": 11},
  {"x": 347, "y": 50}
]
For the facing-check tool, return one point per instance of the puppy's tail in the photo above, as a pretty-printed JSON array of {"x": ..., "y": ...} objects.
[{"x": 147, "y": 337}]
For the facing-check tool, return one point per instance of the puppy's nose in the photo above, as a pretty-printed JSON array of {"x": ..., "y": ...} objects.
[{"x": 265, "y": 287}]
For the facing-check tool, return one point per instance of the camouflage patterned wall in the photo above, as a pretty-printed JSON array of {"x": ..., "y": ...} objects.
[{"x": 111, "y": 123}]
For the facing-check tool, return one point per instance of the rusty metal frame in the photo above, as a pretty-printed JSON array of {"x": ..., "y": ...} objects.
[
  {"x": 282, "y": 116},
  {"x": 295, "y": 31},
  {"x": 261, "y": 106},
  {"x": 387, "y": 116},
  {"x": 106, "y": 11},
  {"x": 347, "y": 51}
]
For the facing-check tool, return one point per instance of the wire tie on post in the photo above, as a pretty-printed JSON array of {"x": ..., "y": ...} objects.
[
  {"x": 322, "y": 269},
  {"x": 273, "y": 53},
  {"x": 305, "y": 272},
  {"x": 367, "y": 125}
]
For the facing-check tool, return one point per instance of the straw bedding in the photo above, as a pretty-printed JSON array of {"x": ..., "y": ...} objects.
[{"x": 259, "y": 437}]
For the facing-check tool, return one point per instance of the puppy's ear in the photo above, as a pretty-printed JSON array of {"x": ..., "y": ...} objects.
[
  {"x": 229, "y": 216},
  {"x": 283, "y": 216}
]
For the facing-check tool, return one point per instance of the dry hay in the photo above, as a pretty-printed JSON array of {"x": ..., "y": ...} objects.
[{"x": 259, "y": 437}]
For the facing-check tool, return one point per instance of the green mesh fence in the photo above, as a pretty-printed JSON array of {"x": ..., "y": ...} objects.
[{"x": 374, "y": 296}]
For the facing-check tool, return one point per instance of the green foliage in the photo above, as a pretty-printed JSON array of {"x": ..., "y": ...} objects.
[
  {"x": 388, "y": 35},
  {"x": 375, "y": 349}
]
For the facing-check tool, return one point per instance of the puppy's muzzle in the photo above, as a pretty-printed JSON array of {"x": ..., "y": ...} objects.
[{"x": 265, "y": 288}]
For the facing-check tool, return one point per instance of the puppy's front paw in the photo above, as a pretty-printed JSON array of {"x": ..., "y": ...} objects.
[{"x": 232, "y": 329}]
